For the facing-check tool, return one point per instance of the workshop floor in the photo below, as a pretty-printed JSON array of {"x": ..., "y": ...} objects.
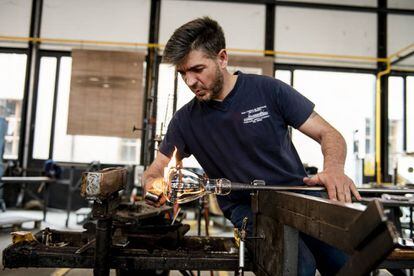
[{"x": 56, "y": 219}]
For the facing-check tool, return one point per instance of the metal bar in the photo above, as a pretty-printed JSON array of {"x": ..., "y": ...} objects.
[
  {"x": 290, "y": 254},
  {"x": 382, "y": 52},
  {"x": 365, "y": 235},
  {"x": 365, "y": 260},
  {"x": 69, "y": 196},
  {"x": 270, "y": 28},
  {"x": 366, "y": 222},
  {"x": 102, "y": 249},
  {"x": 236, "y": 186},
  {"x": 405, "y": 113},
  {"x": 294, "y": 66},
  {"x": 26, "y": 126},
  {"x": 194, "y": 253},
  {"x": 150, "y": 97},
  {"x": 54, "y": 107},
  {"x": 317, "y": 217},
  {"x": 323, "y": 6},
  {"x": 399, "y": 59}
]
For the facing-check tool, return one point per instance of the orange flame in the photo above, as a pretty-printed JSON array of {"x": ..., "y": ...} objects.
[{"x": 171, "y": 166}]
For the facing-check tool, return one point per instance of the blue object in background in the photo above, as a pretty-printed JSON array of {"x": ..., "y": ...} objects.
[{"x": 3, "y": 130}]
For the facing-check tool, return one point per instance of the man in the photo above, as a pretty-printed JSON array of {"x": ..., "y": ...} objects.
[{"x": 237, "y": 128}]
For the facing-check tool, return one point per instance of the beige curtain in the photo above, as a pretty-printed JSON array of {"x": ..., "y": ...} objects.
[{"x": 106, "y": 93}]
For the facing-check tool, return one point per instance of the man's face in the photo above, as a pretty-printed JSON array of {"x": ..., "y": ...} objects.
[{"x": 202, "y": 75}]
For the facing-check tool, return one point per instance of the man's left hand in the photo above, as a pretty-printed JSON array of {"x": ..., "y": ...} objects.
[{"x": 339, "y": 186}]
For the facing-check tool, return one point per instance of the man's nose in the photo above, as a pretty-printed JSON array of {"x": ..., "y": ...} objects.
[{"x": 190, "y": 80}]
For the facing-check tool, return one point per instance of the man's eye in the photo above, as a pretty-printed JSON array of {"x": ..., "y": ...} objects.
[{"x": 198, "y": 70}]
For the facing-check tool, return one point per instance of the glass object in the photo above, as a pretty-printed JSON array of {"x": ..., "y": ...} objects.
[{"x": 185, "y": 186}]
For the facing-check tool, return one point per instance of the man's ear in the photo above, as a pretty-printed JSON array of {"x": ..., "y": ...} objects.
[{"x": 223, "y": 58}]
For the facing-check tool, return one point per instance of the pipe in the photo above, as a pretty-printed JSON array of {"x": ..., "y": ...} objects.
[
  {"x": 378, "y": 120},
  {"x": 156, "y": 45}
]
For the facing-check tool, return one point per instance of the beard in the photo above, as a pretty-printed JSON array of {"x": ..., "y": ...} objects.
[
  {"x": 216, "y": 87},
  {"x": 217, "y": 84}
]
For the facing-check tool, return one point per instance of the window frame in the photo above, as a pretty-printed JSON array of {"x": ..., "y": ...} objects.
[{"x": 10, "y": 50}]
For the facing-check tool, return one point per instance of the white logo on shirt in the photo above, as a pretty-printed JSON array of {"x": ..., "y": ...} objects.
[{"x": 255, "y": 115}]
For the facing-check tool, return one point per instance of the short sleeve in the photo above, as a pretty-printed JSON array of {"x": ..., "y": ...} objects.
[
  {"x": 174, "y": 139},
  {"x": 292, "y": 105}
]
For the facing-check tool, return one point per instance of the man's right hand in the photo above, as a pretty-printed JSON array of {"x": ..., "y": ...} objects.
[
  {"x": 153, "y": 180},
  {"x": 155, "y": 188}
]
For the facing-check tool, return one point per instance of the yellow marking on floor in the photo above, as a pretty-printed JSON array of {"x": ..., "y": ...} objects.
[{"x": 60, "y": 272}]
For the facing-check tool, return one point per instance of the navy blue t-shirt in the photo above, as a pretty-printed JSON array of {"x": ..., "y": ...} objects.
[{"x": 244, "y": 137}]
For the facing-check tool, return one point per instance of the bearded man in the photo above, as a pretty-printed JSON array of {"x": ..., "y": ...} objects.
[{"x": 236, "y": 127}]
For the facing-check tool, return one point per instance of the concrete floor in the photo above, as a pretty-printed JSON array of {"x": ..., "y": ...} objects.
[{"x": 56, "y": 220}]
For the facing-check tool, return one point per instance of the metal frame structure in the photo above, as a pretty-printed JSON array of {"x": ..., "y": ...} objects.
[
  {"x": 36, "y": 163},
  {"x": 153, "y": 61},
  {"x": 365, "y": 234}
]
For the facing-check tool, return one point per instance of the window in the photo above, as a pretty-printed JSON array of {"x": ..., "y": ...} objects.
[
  {"x": 410, "y": 114},
  {"x": 83, "y": 148},
  {"x": 44, "y": 107},
  {"x": 395, "y": 120},
  {"x": 346, "y": 101},
  {"x": 284, "y": 75},
  {"x": 12, "y": 79}
]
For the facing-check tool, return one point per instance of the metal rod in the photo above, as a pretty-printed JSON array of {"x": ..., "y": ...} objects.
[
  {"x": 236, "y": 186},
  {"x": 103, "y": 244}
]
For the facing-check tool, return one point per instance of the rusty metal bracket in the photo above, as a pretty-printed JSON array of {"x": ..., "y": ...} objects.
[{"x": 363, "y": 233}]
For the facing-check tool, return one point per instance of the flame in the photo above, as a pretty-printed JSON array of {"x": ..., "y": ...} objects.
[
  {"x": 171, "y": 166},
  {"x": 173, "y": 161}
]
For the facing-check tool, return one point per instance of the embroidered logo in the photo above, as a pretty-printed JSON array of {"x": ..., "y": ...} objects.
[{"x": 255, "y": 115}]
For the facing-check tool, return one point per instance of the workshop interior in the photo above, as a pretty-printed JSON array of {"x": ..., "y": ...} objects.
[{"x": 86, "y": 101}]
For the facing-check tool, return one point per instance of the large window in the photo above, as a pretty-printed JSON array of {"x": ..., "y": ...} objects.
[
  {"x": 80, "y": 148},
  {"x": 72, "y": 148},
  {"x": 346, "y": 101},
  {"x": 12, "y": 75}
]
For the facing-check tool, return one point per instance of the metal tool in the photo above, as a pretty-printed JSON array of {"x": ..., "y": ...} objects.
[
  {"x": 242, "y": 235},
  {"x": 187, "y": 186}
]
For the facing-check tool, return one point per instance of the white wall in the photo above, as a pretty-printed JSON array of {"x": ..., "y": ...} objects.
[
  {"x": 104, "y": 20},
  {"x": 325, "y": 32},
  {"x": 400, "y": 35},
  {"x": 367, "y": 3},
  {"x": 401, "y": 4},
  {"x": 15, "y": 20},
  {"x": 243, "y": 24}
]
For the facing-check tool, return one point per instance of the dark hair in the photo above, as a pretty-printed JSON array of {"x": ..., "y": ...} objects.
[{"x": 200, "y": 34}]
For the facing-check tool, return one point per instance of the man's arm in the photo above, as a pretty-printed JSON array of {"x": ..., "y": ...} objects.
[
  {"x": 338, "y": 185},
  {"x": 153, "y": 177}
]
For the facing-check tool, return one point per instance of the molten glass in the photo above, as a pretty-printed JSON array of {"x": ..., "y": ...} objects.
[{"x": 185, "y": 186}]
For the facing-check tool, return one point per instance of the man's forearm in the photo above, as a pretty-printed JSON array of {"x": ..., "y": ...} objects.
[{"x": 333, "y": 149}]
